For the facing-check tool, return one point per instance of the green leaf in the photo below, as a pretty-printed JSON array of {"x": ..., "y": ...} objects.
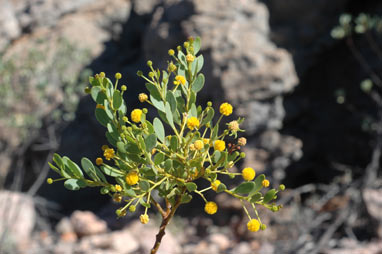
[
  {"x": 210, "y": 115},
  {"x": 191, "y": 186},
  {"x": 199, "y": 63},
  {"x": 130, "y": 192},
  {"x": 74, "y": 184},
  {"x": 111, "y": 139},
  {"x": 132, "y": 148},
  {"x": 215, "y": 132},
  {"x": 135, "y": 158},
  {"x": 101, "y": 116},
  {"x": 182, "y": 59},
  {"x": 117, "y": 99},
  {"x": 98, "y": 95},
  {"x": 186, "y": 198},
  {"x": 258, "y": 184},
  {"x": 158, "y": 103},
  {"x": 193, "y": 110},
  {"x": 255, "y": 197},
  {"x": 159, "y": 129},
  {"x": 108, "y": 110},
  {"x": 54, "y": 168},
  {"x": 74, "y": 168},
  {"x": 153, "y": 91},
  {"x": 150, "y": 127},
  {"x": 216, "y": 156},
  {"x": 121, "y": 147},
  {"x": 158, "y": 158},
  {"x": 169, "y": 115},
  {"x": 170, "y": 98},
  {"x": 222, "y": 187},
  {"x": 113, "y": 131},
  {"x": 196, "y": 44},
  {"x": 168, "y": 165},
  {"x": 58, "y": 160},
  {"x": 144, "y": 185},
  {"x": 244, "y": 188},
  {"x": 89, "y": 169},
  {"x": 110, "y": 171},
  {"x": 269, "y": 196},
  {"x": 198, "y": 83},
  {"x": 174, "y": 144},
  {"x": 150, "y": 142}
]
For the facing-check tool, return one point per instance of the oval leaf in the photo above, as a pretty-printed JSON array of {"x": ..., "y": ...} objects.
[
  {"x": 159, "y": 129},
  {"x": 269, "y": 195},
  {"x": 244, "y": 188}
]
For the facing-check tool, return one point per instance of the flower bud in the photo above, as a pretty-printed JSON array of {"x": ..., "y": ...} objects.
[
  {"x": 102, "y": 75},
  {"x": 242, "y": 141},
  {"x": 49, "y": 180},
  {"x": 282, "y": 187},
  {"x": 139, "y": 73},
  {"x": 123, "y": 88},
  {"x": 149, "y": 63},
  {"x": 118, "y": 75},
  {"x": 242, "y": 155},
  {"x": 171, "y": 52},
  {"x": 142, "y": 97},
  {"x": 132, "y": 208}
]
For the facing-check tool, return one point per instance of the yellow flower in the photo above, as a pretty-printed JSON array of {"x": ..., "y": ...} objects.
[
  {"x": 171, "y": 52},
  {"x": 248, "y": 174},
  {"x": 265, "y": 183},
  {"x": 132, "y": 178},
  {"x": 118, "y": 187},
  {"x": 144, "y": 218},
  {"x": 211, "y": 207},
  {"x": 99, "y": 161},
  {"x": 100, "y": 106},
  {"x": 136, "y": 115},
  {"x": 215, "y": 184},
  {"x": 226, "y": 109},
  {"x": 108, "y": 153},
  {"x": 198, "y": 144},
  {"x": 219, "y": 145},
  {"x": 191, "y": 147},
  {"x": 190, "y": 58},
  {"x": 253, "y": 225},
  {"x": 193, "y": 123},
  {"x": 179, "y": 79},
  {"x": 142, "y": 97},
  {"x": 206, "y": 141}
]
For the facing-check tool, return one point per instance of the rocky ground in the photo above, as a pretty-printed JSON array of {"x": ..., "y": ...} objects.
[{"x": 274, "y": 61}]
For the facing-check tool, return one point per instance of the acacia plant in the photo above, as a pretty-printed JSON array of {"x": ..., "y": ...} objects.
[{"x": 144, "y": 157}]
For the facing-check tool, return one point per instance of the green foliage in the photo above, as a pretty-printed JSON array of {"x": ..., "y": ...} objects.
[{"x": 147, "y": 156}]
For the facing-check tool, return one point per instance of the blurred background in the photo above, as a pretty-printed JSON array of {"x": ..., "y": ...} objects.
[{"x": 306, "y": 78}]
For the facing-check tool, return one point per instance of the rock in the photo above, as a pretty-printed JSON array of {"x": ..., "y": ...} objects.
[
  {"x": 242, "y": 248},
  {"x": 17, "y": 217},
  {"x": 373, "y": 201},
  {"x": 369, "y": 248},
  {"x": 220, "y": 240},
  {"x": 118, "y": 242},
  {"x": 87, "y": 223},
  {"x": 145, "y": 234}
]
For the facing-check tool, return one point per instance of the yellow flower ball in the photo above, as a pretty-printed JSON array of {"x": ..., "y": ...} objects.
[
  {"x": 242, "y": 141},
  {"x": 226, "y": 109},
  {"x": 190, "y": 58},
  {"x": 253, "y": 225},
  {"x": 132, "y": 178},
  {"x": 180, "y": 80},
  {"x": 211, "y": 207},
  {"x": 192, "y": 123},
  {"x": 219, "y": 145},
  {"x": 171, "y": 67},
  {"x": 206, "y": 141},
  {"x": 198, "y": 144},
  {"x": 109, "y": 153},
  {"x": 136, "y": 115},
  {"x": 265, "y": 183},
  {"x": 142, "y": 97},
  {"x": 99, "y": 161},
  {"x": 118, "y": 188},
  {"x": 144, "y": 218},
  {"x": 215, "y": 184},
  {"x": 248, "y": 174},
  {"x": 171, "y": 52}
]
